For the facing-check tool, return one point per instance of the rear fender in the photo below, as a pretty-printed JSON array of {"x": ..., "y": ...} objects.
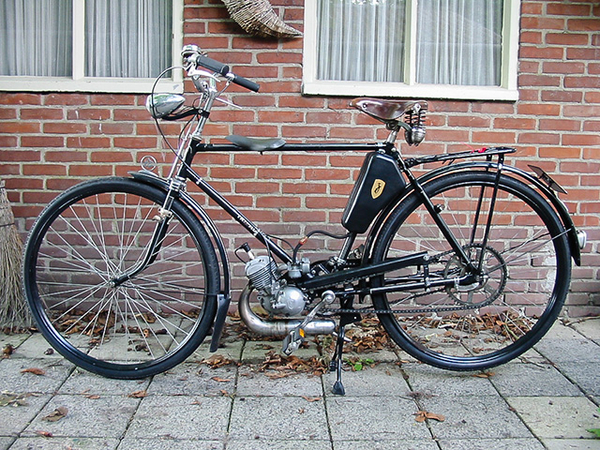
[{"x": 550, "y": 196}]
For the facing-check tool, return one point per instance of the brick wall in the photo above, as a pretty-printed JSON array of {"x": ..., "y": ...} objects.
[{"x": 51, "y": 141}]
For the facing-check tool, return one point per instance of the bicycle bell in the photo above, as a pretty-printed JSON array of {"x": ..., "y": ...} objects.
[{"x": 161, "y": 105}]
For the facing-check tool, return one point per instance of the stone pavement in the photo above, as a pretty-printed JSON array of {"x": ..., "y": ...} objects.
[{"x": 544, "y": 400}]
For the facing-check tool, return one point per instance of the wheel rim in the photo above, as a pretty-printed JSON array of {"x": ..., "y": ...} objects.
[
  {"x": 498, "y": 317},
  {"x": 136, "y": 324}
]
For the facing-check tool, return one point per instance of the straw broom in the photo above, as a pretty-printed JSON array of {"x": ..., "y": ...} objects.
[{"x": 14, "y": 315}]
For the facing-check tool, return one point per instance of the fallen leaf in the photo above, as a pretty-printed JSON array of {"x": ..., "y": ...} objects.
[
  {"x": 7, "y": 351},
  {"x": 311, "y": 399},
  {"x": 44, "y": 433},
  {"x": 11, "y": 399},
  {"x": 49, "y": 351},
  {"x": 484, "y": 375},
  {"x": 421, "y": 416},
  {"x": 34, "y": 370},
  {"x": 220, "y": 380},
  {"x": 138, "y": 394},
  {"x": 56, "y": 415},
  {"x": 92, "y": 396}
]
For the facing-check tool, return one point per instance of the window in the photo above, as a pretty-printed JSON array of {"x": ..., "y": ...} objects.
[
  {"x": 463, "y": 49},
  {"x": 88, "y": 45}
]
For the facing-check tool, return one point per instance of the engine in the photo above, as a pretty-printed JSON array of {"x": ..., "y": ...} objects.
[{"x": 274, "y": 294}]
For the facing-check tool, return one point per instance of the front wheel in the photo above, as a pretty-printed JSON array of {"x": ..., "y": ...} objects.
[
  {"x": 519, "y": 248},
  {"x": 89, "y": 302}
]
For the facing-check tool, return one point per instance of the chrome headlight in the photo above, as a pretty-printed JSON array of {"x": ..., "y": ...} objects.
[{"x": 161, "y": 105}]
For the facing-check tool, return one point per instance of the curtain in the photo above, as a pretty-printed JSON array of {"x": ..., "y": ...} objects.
[
  {"x": 128, "y": 38},
  {"x": 460, "y": 42},
  {"x": 36, "y": 37},
  {"x": 360, "y": 40}
]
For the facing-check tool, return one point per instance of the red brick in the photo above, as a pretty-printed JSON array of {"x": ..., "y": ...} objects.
[
  {"x": 64, "y": 128},
  {"x": 44, "y": 169},
  {"x": 255, "y": 159},
  {"x": 88, "y": 114},
  {"x": 135, "y": 142},
  {"x": 87, "y": 170},
  {"x": 539, "y": 138},
  {"x": 113, "y": 99},
  {"x": 539, "y": 80},
  {"x": 581, "y": 139},
  {"x": 7, "y": 98},
  {"x": 280, "y": 116},
  {"x": 278, "y": 202},
  {"x": 20, "y": 155},
  {"x": 582, "y": 82},
  {"x": 19, "y": 127},
  {"x": 562, "y": 96},
  {"x": 88, "y": 142},
  {"x": 41, "y": 114},
  {"x": 279, "y": 58},
  {"x": 326, "y": 174},
  {"x": 514, "y": 123},
  {"x": 304, "y": 188},
  {"x": 560, "y": 152},
  {"x": 531, "y": 37},
  {"x": 538, "y": 109},
  {"x": 493, "y": 137},
  {"x": 542, "y": 23},
  {"x": 66, "y": 156},
  {"x": 559, "y": 124},
  {"x": 42, "y": 141},
  {"x": 304, "y": 131},
  {"x": 303, "y": 160},
  {"x": 235, "y": 173},
  {"x": 567, "y": 39},
  {"x": 527, "y": 51},
  {"x": 591, "y": 54},
  {"x": 279, "y": 174},
  {"x": 66, "y": 99},
  {"x": 584, "y": 24},
  {"x": 112, "y": 156}
]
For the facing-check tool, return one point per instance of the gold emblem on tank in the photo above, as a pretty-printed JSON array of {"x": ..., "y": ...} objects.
[{"x": 377, "y": 188}]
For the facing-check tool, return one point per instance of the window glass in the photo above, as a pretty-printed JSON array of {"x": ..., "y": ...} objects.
[{"x": 36, "y": 37}]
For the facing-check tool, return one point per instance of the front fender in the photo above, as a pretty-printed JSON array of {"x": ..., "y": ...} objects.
[
  {"x": 224, "y": 298},
  {"x": 546, "y": 192}
]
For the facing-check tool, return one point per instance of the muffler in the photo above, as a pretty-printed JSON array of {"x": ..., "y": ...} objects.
[{"x": 279, "y": 327}]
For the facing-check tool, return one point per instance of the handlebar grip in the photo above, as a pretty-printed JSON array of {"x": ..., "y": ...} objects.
[
  {"x": 211, "y": 64},
  {"x": 244, "y": 82}
]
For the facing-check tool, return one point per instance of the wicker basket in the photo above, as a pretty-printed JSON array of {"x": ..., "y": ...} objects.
[{"x": 257, "y": 17}]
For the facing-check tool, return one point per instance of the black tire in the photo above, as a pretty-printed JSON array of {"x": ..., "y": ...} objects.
[
  {"x": 95, "y": 232},
  {"x": 526, "y": 264}
]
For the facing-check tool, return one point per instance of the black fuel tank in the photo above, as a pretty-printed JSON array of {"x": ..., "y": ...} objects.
[{"x": 378, "y": 183}]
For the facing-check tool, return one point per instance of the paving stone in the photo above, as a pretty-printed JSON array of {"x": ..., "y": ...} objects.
[
  {"x": 485, "y": 417},
  {"x": 194, "y": 380},
  {"x": 82, "y": 382},
  {"x": 374, "y": 419},
  {"x": 62, "y": 443},
  {"x": 263, "y": 444},
  {"x": 282, "y": 418},
  {"x": 380, "y": 380},
  {"x": 15, "y": 340},
  {"x": 14, "y": 419},
  {"x": 169, "y": 444},
  {"x": 404, "y": 444},
  {"x": 37, "y": 347},
  {"x": 572, "y": 444},
  {"x": 228, "y": 349},
  {"x": 491, "y": 444},
  {"x": 569, "y": 350},
  {"x": 585, "y": 374},
  {"x": 181, "y": 417},
  {"x": 589, "y": 328},
  {"x": 255, "y": 352},
  {"x": 251, "y": 382},
  {"x": 105, "y": 417},
  {"x": 557, "y": 417},
  {"x": 14, "y": 380},
  {"x": 530, "y": 380},
  {"x": 6, "y": 442},
  {"x": 432, "y": 381}
]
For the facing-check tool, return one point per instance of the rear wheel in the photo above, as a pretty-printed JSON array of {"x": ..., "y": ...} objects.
[
  {"x": 487, "y": 319},
  {"x": 75, "y": 265}
]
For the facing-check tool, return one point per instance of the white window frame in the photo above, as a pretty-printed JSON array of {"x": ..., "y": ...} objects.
[
  {"x": 411, "y": 89},
  {"x": 78, "y": 82}
]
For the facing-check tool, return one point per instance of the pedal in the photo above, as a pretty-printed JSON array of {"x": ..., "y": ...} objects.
[{"x": 293, "y": 341}]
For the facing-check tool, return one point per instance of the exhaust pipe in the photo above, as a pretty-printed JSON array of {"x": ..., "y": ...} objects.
[{"x": 280, "y": 327}]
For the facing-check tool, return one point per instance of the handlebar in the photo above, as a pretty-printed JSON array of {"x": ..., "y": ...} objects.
[{"x": 193, "y": 55}]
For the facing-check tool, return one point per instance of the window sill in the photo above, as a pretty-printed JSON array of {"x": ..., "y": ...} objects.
[
  {"x": 401, "y": 90},
  {"x": 107, "y": 85}
]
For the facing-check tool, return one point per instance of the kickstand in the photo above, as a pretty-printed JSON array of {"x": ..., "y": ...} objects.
[{"x": 336, "y": 362}]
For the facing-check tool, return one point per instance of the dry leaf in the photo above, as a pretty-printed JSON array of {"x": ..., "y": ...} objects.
[
  {"x": 56, "y": 415},
  {"x": 7, "y": 351},
  {"x": 34, "y": 370},
  {"x": 138, "y": 394},
  {"x": 12, "y": 399},
  {"x": 220, "y": 380},
  {"x": 311, "y": 399},
  {"x": 44, "y": 433},
  {"x": 92, "y": 396},
  {"x": 421, "y": 416},
  {"x": 484, "y": 374}
]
